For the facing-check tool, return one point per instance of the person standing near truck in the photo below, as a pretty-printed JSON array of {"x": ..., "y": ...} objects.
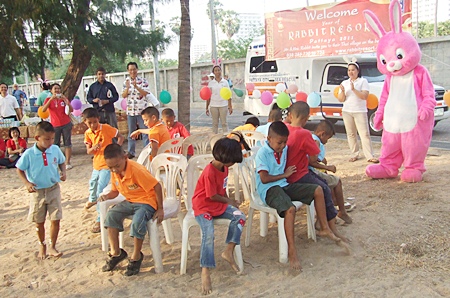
[
  {"x": 353, "y": 94},
  {"x": 218, "y": 106}
]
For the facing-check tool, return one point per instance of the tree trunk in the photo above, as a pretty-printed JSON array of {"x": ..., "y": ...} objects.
[
  {"x": 184, "y": 66},
  {"x": 155, "y": 53}
]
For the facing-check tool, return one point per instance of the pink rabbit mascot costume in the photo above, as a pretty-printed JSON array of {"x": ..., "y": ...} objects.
[{"x": 406, "y": 107}]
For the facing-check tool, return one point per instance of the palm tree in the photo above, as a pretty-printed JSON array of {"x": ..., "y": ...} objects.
[
  {"x": 184, "y": 66},
  {"x": 229, "y": 23}
]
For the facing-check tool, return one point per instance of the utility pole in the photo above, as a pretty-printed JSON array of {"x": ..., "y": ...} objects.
[
  {"x": 155, "y": 53},
  {"x": 213, "y": 32}
]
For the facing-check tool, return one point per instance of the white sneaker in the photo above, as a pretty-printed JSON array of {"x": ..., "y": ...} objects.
[{"x": 68, "y": 167}]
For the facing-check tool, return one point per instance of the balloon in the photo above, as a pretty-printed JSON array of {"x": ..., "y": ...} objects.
[
  {"x": 225, "y": 93},
  {"x": 76, "y": 104},
  {"x": 256, "y": 93},
  {"x": 76, "y": 112},
  {"x": 76, "y": 97},
  {"x": 266, "y": 98},
  {"x": 165, "y": 97},
  {"x": 283, "y": 100},
  {"x": 43, "y": 115},
  {"x": 280, "y": 87},
  {"x": 250, "y": 87},
  {"x": 372, "y": 101},
  {"x": 313, "y": 100},
  {"x": 238, "y": 92},
  {"x": 336, "y": 91},
  {"x": 301, "y": 96},
  {"x": 292, "y": 89},
  {"x": 447, "y": 97},
  {"x": 123, "y": 104},
  {"x": 205, "y": 93}
]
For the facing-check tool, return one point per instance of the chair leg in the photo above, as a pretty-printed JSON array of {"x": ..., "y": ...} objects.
[
  {"x": 237, "y": 195},
  {"x": 103, "y": 231},
  {"x": 168, "y": 233},
  {"x": 310, "y": 216},
  {"x": 121, "y": 239},
  {"x": 155, "y": 245},
  {"x": 238, "y": 258},
  {"x": 263, "y": 223},
  {"x": 248, "y": 226},
  {"x": 282, "y": 241},
  {"x": 184, "y": 248}
]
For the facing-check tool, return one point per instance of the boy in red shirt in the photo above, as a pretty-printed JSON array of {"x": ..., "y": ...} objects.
[
  {"x": 210, "y": 201},
  {"x": 301, "y": 149},
  {"x": 176, "y": 128}
]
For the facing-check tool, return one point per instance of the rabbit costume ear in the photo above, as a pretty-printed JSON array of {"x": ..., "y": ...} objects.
[
  {"x": 214, "y": 61},
  {"x": 374, "y": 23},
  {"x": 219, "y": 61},
  {"x": 395, "y": 15}
]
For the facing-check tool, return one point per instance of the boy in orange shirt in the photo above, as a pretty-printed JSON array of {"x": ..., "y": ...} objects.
[
  {"x": 96, "y": 138},
  {"x": 143, "y": 195},
  {"x": 157, "y": 131}
]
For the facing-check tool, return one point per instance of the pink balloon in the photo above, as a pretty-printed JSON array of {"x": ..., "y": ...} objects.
[
  {"x": 123, "y": 104},
  {"x": 250, "y": 87},
  {"x": 292, "y": 89},
  {"x": 301, "y": 96},
  {"x": 266, "y": 98},
  {"x": 77, "y": 113}
]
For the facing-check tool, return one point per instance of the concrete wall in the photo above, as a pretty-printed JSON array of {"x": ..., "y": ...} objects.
[{"x": 436, "y": 57}]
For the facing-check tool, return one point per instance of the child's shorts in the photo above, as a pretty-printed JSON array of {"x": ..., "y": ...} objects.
[
  {"x": 280, "y": 198},
  {"x": 141, "y": 213},
  {"x": 45, "y": 200},
  {"x": 330, "y": 179}
]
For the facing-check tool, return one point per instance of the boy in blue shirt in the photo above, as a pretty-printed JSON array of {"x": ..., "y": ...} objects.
[
  {"x": 277, "y": 193},
  {"x": 38, "y": 169}
]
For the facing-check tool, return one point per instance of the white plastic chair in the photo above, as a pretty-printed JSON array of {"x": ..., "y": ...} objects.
[
  {"x": 144, "y": 156},
  {"x": 249, "y": 174},
  {"x": 195, "y": 166},
  {"x": 172, "y": 146},
  {"x": 214, "y": 138},
  {"x": 253, "y": 138},
  {"x": 200, "y": 142}
]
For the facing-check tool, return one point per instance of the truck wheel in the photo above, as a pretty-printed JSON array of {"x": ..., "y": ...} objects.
[{"x": 373, "y": 131}]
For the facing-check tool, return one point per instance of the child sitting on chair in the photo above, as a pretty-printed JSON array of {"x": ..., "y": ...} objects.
[
  {"x": 176, "y": 128},
  {"x": 210, "y": 201},
  {"x": 323, "y": 132},
  {"x": 96, "y": 138},
  {"x": 251, "y": 124},
  {"x": 274, "y": 115},
  {"x": 157, "y": 131},
  {"x": 143, "y": 201}
]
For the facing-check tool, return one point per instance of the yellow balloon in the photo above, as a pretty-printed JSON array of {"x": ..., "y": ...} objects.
[
  {"x": 336, "y": 92},
  {"x": 42, "y": 114},
  {"x": 447, "y": 97},
  {"x": 225, "y": 93}
]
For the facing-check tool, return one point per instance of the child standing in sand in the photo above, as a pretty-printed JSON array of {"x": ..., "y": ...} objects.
[
  {"x": 277, "y": 193},
  {"x": 211, "y": 201},
  {"x": 96, "y": 138},
  {"x": 38, "y": 169}
]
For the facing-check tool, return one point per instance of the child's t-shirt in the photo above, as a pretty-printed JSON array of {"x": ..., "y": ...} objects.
[
  {"x": 104, "y": 134},
  {"x": 41, "y": 168},
  {"x": 159, "y": 133},
  {"x": 274, "y": 164},
  {"x": 57, "y": 110},
  {"x": 300, "y": 145},
  {"x": 137, "y": 185},
  {"x": 321, "y": 155},
  {"x": 211, "y": 182},
  {"x": 247, "y": 126},
  {"x": 2, "y": 148},
  {"x": 10, "y": 144},
  {"x": 179, "y": 130}
]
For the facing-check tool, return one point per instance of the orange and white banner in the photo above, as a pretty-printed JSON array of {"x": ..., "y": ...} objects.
[{"x": 327, "y": 30}]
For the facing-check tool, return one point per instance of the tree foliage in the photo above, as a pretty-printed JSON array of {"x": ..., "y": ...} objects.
[
  {"x": 229, "y": 23},
  {"x": 233, "y": 49},
  {"x": 426, "y": 29}
]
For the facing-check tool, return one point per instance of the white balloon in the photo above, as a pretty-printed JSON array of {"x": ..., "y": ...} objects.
[
  {"x": 118, "y": 103},
  {"x": 256, "y": 93},
  {"x": 280, "y": 87}
]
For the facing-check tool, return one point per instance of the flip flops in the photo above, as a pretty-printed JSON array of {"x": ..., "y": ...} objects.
[{"x": 373, "y": 160}]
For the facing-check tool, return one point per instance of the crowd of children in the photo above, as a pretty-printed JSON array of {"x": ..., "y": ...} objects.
[{"x": 289, "y": 167}]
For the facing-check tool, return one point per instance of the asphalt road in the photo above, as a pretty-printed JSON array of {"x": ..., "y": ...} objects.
[{"x": 441, "y": 133}]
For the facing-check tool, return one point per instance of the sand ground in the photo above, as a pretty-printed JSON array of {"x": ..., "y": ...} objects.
[{"x": 400, "y": 244}]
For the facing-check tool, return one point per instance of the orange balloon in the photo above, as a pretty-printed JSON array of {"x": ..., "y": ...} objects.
[
  {"x": 336, "y": 92},
  {"x": 447, "y": 97},
  {"x": 372, "y": 101},
  {"x": 42, "y": 114}
]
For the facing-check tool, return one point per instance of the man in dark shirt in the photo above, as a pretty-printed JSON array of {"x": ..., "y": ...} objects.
[{"x": 102, "y": 95}]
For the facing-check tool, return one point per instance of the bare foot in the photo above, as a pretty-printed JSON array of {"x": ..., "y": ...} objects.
[
  {"x": 345, "y": 217},
  {"x": 329, "y": 234},
  {"x": 342, "y": 237},
  {"x": 345, "y": 246},
  {"x": 294, "y": 262},
  {"x": 42, "y": 252},
  {"x": 206, "y": 282},
  {"x": 228, "y": 256},
  {"x": 53, "y": 252}
]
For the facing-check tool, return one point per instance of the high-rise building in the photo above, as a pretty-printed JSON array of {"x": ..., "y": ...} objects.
[
  {"x": 197, "y": 51},
  {"x": 251, "y": 24},
  {"x": 425, "y": 10}
]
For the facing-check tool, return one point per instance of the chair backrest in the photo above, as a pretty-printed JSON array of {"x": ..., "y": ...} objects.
[
  {"x": 200, "y": 142},
  {"x": 174, "y": 167},
  {"x": 144, "y": 156},
  {"x": 215, "y": 138},
  {"x": 248, "y": 170},
  {"x": 253, "y": 138},
  {"x": 194, "y": 169},
  {"x": 172, "y": 146}
]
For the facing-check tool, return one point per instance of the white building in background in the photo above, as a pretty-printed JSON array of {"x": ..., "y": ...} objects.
[
  {"x": 197, "y": 51},
  {"x": 426, "y": 10},
  {"x": 250, "y": 22}
]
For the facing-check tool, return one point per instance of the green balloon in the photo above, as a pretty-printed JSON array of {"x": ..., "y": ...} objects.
[
  {"x": 165, "y": 97},
  {"x": 238, "y": 92},
  {"x": 283, "y": 100}
]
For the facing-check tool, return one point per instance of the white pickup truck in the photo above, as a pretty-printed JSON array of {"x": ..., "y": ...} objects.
[{"x": 319, "y": 74}]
